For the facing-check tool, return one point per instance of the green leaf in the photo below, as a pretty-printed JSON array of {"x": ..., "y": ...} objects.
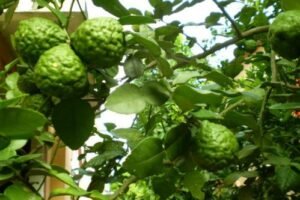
[
  {"x": 234, "y": 118},
  {"x": 10, "y": 102},
  {"x": 194, "y": 181},
  {"x": 126, "y": 99},
  {"x": 177, "y": 141},
  {"x": 246, "y": 151},
  {"x": 19, "y": 191},
  {"x": 164, "y": 67},
  {"x": 133, "y": 136},
  {"x": 131, "y": 19},
  {"x": 20, "y": 123},
  {"x": 114, "y": 7},
  {"x": 184, "y": 76},
  {"x": 219, "y": 78},
  {"x": 146, "y": 159},
  {"x": 213, "y": 19},
  {"x": 11, "y": 80},
  {"x": 150, "y": 45},
  {"x": 155, "y": 93},
  {"x": 5, "y": 175},
  {"x": 62, "y": 175},
  {"x": 254, "y": 96},
  {"x": 285, "y": 106},
  {"x": 277, "y": 160},
  {"x": 187, "y": 98},
  {"x": 9, "y": 14},
  {"x": 286, "y": 178},
  {"x": 290, "y": 5},
  {"x": 4, "y": 142},
  {"x": 63, "y": 19},
  {"x": 206, "y": 114},
  {"x": 7, "y": 153},
  {"x": 73, "y": 120},
  {"x": 77, "y": 192},
  {"x": 134, "y": 67},
  {"x": 232, "y": 178}
]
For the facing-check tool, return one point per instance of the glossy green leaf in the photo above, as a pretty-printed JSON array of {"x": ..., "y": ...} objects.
[
  {"x": 213, "y": 19},
  {"x": 155, "y": 93},
  {"x": 254, "y": 96},
  {"x": 164, "y": 67},
  {"x": 73, "y": 120},
  {"x": 194, "y": 181},
  {"x": 62, "y": 175},
  {"x": 146, "y": 159},
  {"x": 187, "y": 98},
  {"x": 286, "y": 178},
  {"x": 219, "y": 78},
  {"x": 19, "y": 191},
  {"x": 184, "y": 76},
  {"x": 10, "y": 102},
  {"x": 150, "y": 45},
  {"x": 285, "y": 106},
  {"x": 126, "y": 99},
  {"x": 133, "y": 136},
  {"x": 114, "y": 7},
  {"x": 77, "y": 192},
  {"x": 4, "y": 142},
  {"x": 131, "y": 19},
  {"x": 234, "y": 118},
  {"x": 177, "y": 141},
  {"x": 206, "y": 114},
  {"x": 20, "y": 123},
  {"x": 134, "y": 67},
  {"x": 246, "y": 151}
]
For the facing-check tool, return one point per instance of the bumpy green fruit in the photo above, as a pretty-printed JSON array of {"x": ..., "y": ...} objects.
[
  {"x": 99, "y": 42},
  {"x": 36, "y": 35},
  {"x": 250, "y": 45},
  {"x": 59, "y": 72},
  {"x": 215, "y": 146},
  {"x": 26, "y": 82},
  {"x": 37, "y": 102},
  {"x": 284, "y": 34}
]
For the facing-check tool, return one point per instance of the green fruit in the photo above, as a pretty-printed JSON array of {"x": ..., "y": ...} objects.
[
  {"x": 215, "y": 146},
  {"x": 36, "y": 35},
  {"x": 250, "y": 45},
  {"x": 99, "y": 42},
  {"x": 59, "y": 72},
  {"x": 284, "y": 34},
  {"x": 37, "y": 102},
  {"x": 26, "y": 82}
]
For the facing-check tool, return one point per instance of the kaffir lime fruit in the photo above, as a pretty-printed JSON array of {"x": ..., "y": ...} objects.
[
  {"x": 215, "y": 146},
  {"x": 284, "y": 34},
  {"x": 36, "y": 35},
  {"x": 99, "y": 42},
  {"x": 59, "y": 72},
  {"x": 26, "y": 82}
]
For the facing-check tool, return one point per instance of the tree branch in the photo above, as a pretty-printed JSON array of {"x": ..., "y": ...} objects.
[
  {"x": 245, "y": 34},
  {"x": 225, "y": 13}
]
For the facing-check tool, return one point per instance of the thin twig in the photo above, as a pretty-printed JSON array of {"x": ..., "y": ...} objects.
[
  {"x": 81, "y": 10},
  {"x": 70, "y": 13},
  {"x": 225, "y": 13},
  {"x": 231, "y": 106},
  {"x": 273, "y": 67},
  {"x": 245, "y": 34},
  {"x": 124, "y": 187}
]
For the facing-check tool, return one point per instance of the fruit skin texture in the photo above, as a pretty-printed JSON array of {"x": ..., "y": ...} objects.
[
  {"x": 59, "y": 72},
  {"x": 36, "y": 35},
  {"x": 284, "y": 34},
  {"x": 215, "y": 146},
  {"x": 99, "y": 42}
]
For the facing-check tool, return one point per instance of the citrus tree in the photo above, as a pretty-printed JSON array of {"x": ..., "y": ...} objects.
[{"x": 203, "y": 129}]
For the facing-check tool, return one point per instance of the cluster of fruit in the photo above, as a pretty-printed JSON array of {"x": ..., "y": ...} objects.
[{"x": 58, "y": 63}]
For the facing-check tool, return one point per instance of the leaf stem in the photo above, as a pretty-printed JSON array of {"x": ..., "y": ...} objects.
[{"x": 231, "y": 106}]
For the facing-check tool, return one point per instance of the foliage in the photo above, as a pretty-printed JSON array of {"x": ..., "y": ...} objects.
[{"x": 173, "y": 92}]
